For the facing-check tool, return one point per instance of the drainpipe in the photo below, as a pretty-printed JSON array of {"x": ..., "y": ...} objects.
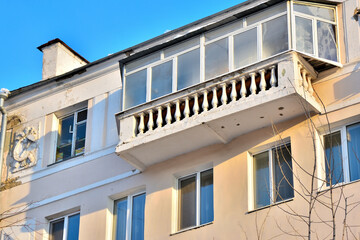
[{"x": 4, "y": 93}]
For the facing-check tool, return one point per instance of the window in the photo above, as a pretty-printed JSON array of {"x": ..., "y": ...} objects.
[
  {"x": 65, "y": 228},
  {"x": 272, "y": 176},
  {"x": 342, "y": 151},
  {"x": 129, "y": 217},
  {"x": 195, "y": 199},
  {"x": 71, "y": 135}
]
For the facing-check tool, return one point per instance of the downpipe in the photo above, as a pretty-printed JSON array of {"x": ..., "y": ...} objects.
[{"x": 4, "y": 93}]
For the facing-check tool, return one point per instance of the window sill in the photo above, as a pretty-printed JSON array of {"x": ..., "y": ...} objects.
[
  {"x": 191, "y": 228},
  {"x": 338, "y": 185},
  {"x": 271, "y": 205},
  {"x": 68, "y": 159}
]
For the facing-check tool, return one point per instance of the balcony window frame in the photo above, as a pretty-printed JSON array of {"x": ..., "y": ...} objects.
[
  {"x": 74, "y": 134},
  {"x": 66, "y": 224},
  {"x": 197, "y": 175},
  {"x": 269, "y": 148},
  {"x": 129, "y": 211}
]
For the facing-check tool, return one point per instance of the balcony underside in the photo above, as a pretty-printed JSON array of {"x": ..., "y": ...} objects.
[{"x": 218, "y": 126}]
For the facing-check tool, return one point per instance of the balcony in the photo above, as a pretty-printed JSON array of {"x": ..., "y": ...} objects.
[{"x": 218, "y": 110}]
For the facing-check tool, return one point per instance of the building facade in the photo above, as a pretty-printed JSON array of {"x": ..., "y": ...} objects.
[{"x": 242, "y": 125}]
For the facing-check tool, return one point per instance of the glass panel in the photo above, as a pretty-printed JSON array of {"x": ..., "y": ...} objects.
[
  {"x": 353, "y": 141},
  {"x": 261, "y": 181},
  {"x": 206, "y": 197},
  {"x": 304, "y": 35},
  {"x": 321, "y": 12},
  {"x": 283, "y": 173},
  {"x": 57, "y": 230},
  {"x": 326, "y": 40},
  {"x": 135, "y": 89},
  {"x": 245, "y": 48},
  {"x": 216, "y": 58},
  {"x": 181, "y": 47},
  {"x": 274, "y": 36},
  {"x": 269, "y": 12},
  {"x": 82, "y": 115},
  {"x": 120, "y": 219},
  {"x": 65, "y": 135},
  {"x": 138, "y": 213},
  {"x": 188, "y": 69},
  {"x": 161, "y": 82},
  {"x": 80, "y": 138},
  {"x": 333, "y": 160},
  {"x": 142, "y": 62},
  {"x": 223, "y": 30},
  {"x": 187, "y": 202},
  {"x": 73, "y": 227}
]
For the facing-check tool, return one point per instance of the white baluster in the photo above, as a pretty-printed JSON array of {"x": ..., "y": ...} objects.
[
  {"x": 273, "y": 79},
  {"x": 141, "y": 124},
  {"x": 233, "y": 90},
  {"x": 151, "y": 120},
  {"x": 305, "y": 83},
  {"x": 262, "y": 80},
  {"x": 243, "y": 87},
  {"x": 168, "y": 114},
  {"x": 196, "y": 104},
  {"x": 214, "y": 101},
  {"x": 300, "y": 78},
  {"x": 310, "y": 89},
  {"x": 205, "y": 104},
  {"x": 253, "y": 84},
  {"x": 159, "y": 119},
  {"x": 223, "y": 95},
  {"x": 177, "y": 111},
  {"x": 187, "y": 108}
]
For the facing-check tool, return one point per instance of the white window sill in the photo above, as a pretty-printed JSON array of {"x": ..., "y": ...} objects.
[
  {"x": 271, "y": 205},
  {"x": 338, "y": 185},
  {"x": 191, "y": 228}
]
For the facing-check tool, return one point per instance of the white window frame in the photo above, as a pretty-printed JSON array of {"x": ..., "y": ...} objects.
[
  {"x": 198, "y": 200},
  {"x": 73, "y": 141},
  {"x": 66, "y": 224},
  {"x": 251, "y": 174},
  {"x": 129, "y": 210}
]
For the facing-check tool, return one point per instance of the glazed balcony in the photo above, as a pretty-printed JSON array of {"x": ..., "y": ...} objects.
[{"x": 217, "y": 111}]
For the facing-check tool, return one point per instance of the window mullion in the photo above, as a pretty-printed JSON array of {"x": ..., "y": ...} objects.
[
  {"x": 231, "y": 52},
  {"x": 259, "y": 42},
  {"x": 148, "y": 84},
  {"x": 345, "y": 155},
  {"x": 202, "y": 58},
  {"x": 174, "y": 75},
  {"x": 128, "y": 218},
  {"x": 198, "y": 198},
  {"x": 271, "y": 177},
  {"x": 66, "y": 226},
  {"x": 74, "y": 134},
  {"x": 292, "y": 25},
  {"x": 315, "y": 38}
]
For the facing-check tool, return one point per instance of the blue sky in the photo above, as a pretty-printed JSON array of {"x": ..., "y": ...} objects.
[{"x": 92, "y": 28}]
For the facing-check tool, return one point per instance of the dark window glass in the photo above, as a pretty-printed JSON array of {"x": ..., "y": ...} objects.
[
  {"x": 82, "y": 115},
  {"x": 57, "y": 230},
  {"x": 188, "y": 69},
  {"x": 261, "y": 180},
  {"x": 187, "y": 200},
  {"x": 80, "y": 138},
  {"x": 216, "y": 58},
  {"x": 353, "y": 142},
  {"x": 245, "y": 48},
  {"x": 326, "y": 40},
  {"x": 120, "y": 219},
  {"x": 283, "y": 173},
  {"x": 65, "y": 136},
  {"x": 274, "y": 36},
  {"x": 206, "y": 197},
  {"x": 135, "y": 89},
  {"x": 138, "y": 214},
  {"x": 333, "y": 159},
  {"x": 161, "y": 80},
  {"x": 73, "y": 227}
]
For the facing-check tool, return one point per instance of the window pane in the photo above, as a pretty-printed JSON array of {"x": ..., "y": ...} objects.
[
  {"x": 135, "y": 89},
  {"x": 161, "y": 82},
  {"x": 326, "y": 40},
  {"x": 206, "y": 197},
  {"x": 274, "y": 36},
  {"x": 120, "y": 219},
  {"x": 223, "y": 30},
  {"x": 283, "y": 173},
  {"x": 262, "y": 186},
  {"x": 304, "y": 35},
  {"x": 138, "y": 213},
  {"x": 65, "y": 135},
  {"x": 81, "y": 116},
  {"x": 353, "y": 140},
  {"x": 321, "y": 12},
  {"x": 188, "y": 69},
  {"x": 333, "y": 161},
  {"x": 269, "y": 12},
  {"x": 73, "y": 227},
  {"x": 57, "y": 230},
  {"x": 187, "y": 202},
  {"x": 216, "y": 58},
  {"x": 142, "y": 62},
  {"x": 80, "y": 138},
  {"x": 245, "y": 48},
  {"x": 181, "y": 47}
]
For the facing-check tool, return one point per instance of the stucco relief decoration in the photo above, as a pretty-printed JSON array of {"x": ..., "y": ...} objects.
[{"x": 25, "y": 146}]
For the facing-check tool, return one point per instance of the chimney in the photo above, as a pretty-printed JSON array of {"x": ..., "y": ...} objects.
[{"x": 59, "y": 58}]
